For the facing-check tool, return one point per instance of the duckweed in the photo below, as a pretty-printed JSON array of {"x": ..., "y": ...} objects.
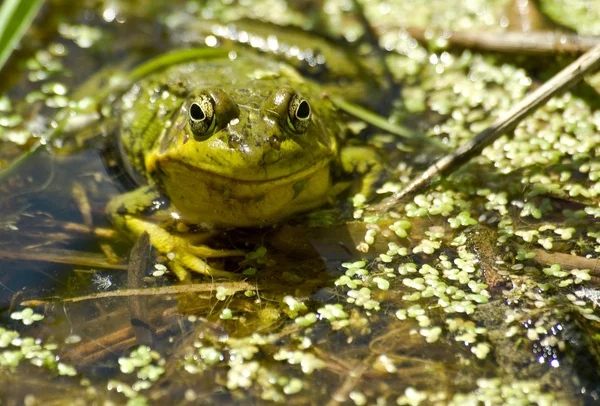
[
  {"x": 401, "y": 227},
  {"x": 141, "y": 359},
  {"x": 308, "y": 362},
  {"x": 83, "y": 35},
  {"x": 358, "y": 398},
  {"x": 226, "y": 314},
  {"x": 332, "y": 312},
  {"x": 307, "y": 319},
  {"x": 463, "y": 219},
  {"x": 5, "y": 104},
  {"x": 27, "y": 316},
  {"x": 427, "y": 247},
  {"x": 41, "y": 355}
]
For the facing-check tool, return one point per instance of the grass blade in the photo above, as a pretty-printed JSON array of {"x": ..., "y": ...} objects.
[{"x": 15, "y": 18}]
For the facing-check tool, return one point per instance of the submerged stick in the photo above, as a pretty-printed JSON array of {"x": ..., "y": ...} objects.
[
  {"x": 165, "y": 290},
  {"x": 567, "y": 262},
  {"x": 353, "y": 378},
  {"x": 372, "y": 37},
  {"x": 534, "y": 43},
  {"x": 138, "y": 305},
  {"x": 108, "y": 345},
  {"x": 562, "y": 81},
  {"x": 61, "y": 256}
]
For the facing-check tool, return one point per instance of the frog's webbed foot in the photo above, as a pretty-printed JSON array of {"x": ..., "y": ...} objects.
[
  {"x": 129, "y": 212},
  {"x": 181, "y": 254}
]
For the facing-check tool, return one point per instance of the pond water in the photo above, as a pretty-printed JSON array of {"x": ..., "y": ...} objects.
[{"x": 481, "y": 289}]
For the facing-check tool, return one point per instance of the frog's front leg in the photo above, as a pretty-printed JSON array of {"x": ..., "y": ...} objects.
[
  {"x": 365, "y": 162},
  {"x": 145, "y": 210}
]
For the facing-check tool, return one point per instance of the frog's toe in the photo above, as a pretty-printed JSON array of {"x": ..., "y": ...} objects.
[
  {"x": 183, "y": 255},
  {"x": 179, "y": 270},
  {"x": 184, "y": 260},
  {"x": 207, "y": 252}
]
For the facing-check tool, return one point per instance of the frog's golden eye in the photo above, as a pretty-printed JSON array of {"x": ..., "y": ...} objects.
[
  {"x": 299, "y": 114},
  {"x": 201, "y": 116}
]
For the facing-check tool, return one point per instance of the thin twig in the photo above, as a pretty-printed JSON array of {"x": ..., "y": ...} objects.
[
  {"x": 352, "y": 379},
  {"x": 536, "y": 43},
  {"x": 562, "y": 81},
  {"x": 372, "y": 37},
  {"x": 165, "y": 290},
  {"x": 138, "y": 305},
  {"x": 567, "y": 261},
  {"x": 79, "y": 228},
  {"x": 83, "y": 202},
  {"x": 109, "y": 344},
  {"x": 60, "y": 256}
]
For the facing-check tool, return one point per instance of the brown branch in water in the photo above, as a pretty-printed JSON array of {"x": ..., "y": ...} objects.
[
  {"x": 66, "y": 227},
  {"x": 81, "y": 228},
  {"x": 526, "y": 16},
  {"x": 138, "y": 305},
  {"x": 536, "y": 43},
  {"x": 396, "y": 339},
  {"x": 60, "y": 256},
  {"x": 94, "y": 350},
  {"x": 83, "y": 203},
  {"x": 113, "y": 343},
  {"x": 372, "y": 37},
  {"x": 115, "y": 332},
  {"x": 352, "y": 379},
  {"x": 567, "y": 261},
  {"x": 231, "y": 287}
]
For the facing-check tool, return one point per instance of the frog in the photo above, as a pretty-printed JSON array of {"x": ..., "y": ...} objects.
[{"x": 234, "y": 142}]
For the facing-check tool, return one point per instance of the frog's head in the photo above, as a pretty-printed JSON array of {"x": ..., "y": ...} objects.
[{"x": 266, "y": 150}]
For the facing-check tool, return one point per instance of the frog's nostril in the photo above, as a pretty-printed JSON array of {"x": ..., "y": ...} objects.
[{"x": 275, "y": 142}]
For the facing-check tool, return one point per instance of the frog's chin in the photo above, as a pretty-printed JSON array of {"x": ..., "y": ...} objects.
[{"x": 204, "y": 197}]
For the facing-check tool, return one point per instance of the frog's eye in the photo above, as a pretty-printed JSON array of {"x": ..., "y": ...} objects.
[
  {"x": 298, "y": 114},
  {"x": 201, "y": 116}
]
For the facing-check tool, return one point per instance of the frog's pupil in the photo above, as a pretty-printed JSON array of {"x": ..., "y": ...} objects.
[
  {"x": 303, "y": 111},
  {"x": 196, "y": 113}
]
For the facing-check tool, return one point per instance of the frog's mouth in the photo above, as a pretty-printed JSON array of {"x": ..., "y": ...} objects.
[
  {"x": 206, "y": 197},
  {"x": 177, "y": 170}
]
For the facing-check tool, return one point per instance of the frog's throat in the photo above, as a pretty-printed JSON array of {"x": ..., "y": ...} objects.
[
  {"x": 163, "y": 165},
  {"x": 205, "y": 197}
]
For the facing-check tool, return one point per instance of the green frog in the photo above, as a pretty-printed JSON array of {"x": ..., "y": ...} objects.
[{"x": 239, "y": 141}]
